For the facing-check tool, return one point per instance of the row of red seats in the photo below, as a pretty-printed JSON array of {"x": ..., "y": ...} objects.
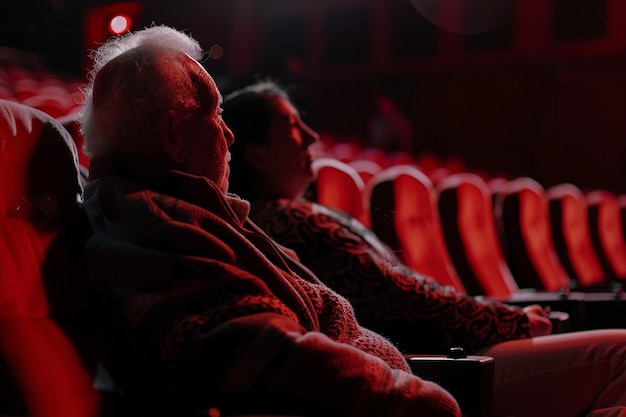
[
  {"x": 58, "y": 95},
  {"x": 60, "y": 98},
  {"x": 367, "y": 159},
  {"x": 485, "y": 237}
]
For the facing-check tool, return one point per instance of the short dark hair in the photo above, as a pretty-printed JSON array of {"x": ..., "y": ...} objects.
[{"x": 248, "y": 113}]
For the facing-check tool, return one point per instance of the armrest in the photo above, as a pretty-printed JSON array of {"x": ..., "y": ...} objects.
[
  {"x": 560, "y": 321},
  {"x": 469, "y": 378},
  {"x": 589, "y": 310},
  {"x": 568, "y": 309},
  {"x": 605, "y": 310}
]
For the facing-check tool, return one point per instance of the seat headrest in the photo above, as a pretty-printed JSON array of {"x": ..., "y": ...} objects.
[{"x": 39, "y": 172}]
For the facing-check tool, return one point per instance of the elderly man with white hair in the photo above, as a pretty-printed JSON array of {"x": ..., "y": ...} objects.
[{"x": 211, "y": 304}]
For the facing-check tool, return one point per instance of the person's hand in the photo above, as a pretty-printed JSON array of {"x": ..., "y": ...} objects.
[{"x": 539, "y": 323}]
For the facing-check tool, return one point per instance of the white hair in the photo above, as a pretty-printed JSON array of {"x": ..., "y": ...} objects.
[
  {"x": 152, "y": 37},
  {"x": 142, "y": 72}
]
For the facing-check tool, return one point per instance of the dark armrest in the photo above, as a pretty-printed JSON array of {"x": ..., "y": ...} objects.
[
  {"x": 469, "y": 378},
  {"x": 560, "y": 321},
  {"x": 568, "y": 309}
]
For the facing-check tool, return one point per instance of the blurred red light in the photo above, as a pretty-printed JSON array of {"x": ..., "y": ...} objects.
[{"x": 119, "y": 24}]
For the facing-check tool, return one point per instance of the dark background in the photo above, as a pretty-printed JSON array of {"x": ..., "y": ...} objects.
[{"x": 526, "y": 87}]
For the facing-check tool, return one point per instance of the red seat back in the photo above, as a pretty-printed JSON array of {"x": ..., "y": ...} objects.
[
  {"x": 339, "y": 186},
  {"x": 521, "y": 209},
  {"x": 469, "y": 226},
  {"x": 366, "y": 169},
  {"x": 404, "y": 215},
  {"x": 39, "y": 192},
  {"x": 605, "y": 226},
  {"x": 571, "y": 234}
]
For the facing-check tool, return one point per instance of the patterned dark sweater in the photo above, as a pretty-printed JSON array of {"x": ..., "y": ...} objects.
[{"x": 413, "y": 310}]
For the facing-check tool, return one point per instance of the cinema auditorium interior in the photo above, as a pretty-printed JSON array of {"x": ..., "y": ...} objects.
[{"x": 483, "y": 143}]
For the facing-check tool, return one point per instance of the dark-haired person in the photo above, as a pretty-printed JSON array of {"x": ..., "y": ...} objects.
[{"x": 536, "y": 374}]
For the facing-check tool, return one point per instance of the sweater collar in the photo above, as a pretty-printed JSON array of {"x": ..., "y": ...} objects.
[{"x": 193, "y": 189}]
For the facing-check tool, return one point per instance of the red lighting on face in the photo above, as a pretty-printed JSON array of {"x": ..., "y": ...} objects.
[{"x": 119, "y": 24}]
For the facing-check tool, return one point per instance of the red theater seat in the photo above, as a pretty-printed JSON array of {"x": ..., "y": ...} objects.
[
  {"x": 377, "y": 155},
  {"x": 605, "y": 225},
  {"x": 54, "y": 105},
  {"x": 343, "y": 151},
  {"x": 404, "y": 215},
  {"x": 466, "y": 211},
  {"x": 621, "y": 199},
  {"x": 6, "y": 93},
  {"x": 39, "y": 194},
  {"x": 572, "y": 236},
  {"x": 467, "y": 217},
  {"x": 339, "y": 186},
  {"x": 365, "y": 168},
  {"x": 25, "y": 88},
  {"x": 521, "y": 209}
]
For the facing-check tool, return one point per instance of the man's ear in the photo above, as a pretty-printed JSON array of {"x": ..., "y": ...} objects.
[
  {"x": 170, "y": 140},
  {"x": 255, "y": 157}
]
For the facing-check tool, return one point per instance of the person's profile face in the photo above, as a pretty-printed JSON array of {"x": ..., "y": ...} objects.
[
  {"x": 207, "y": 137},
  {"x": 286, "y": 156}
]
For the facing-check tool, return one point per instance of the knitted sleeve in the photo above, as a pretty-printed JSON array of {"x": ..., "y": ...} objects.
[{"x": 411, "y": 309}]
